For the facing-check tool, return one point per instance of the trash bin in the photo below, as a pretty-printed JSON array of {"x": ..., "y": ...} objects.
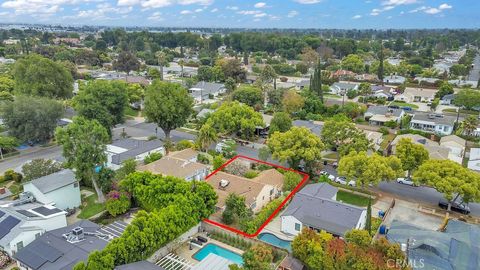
[
  {"x": 383, "y": 229},
  {"x": 381, "y": 214}
]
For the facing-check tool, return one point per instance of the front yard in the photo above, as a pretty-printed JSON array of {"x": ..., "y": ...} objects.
[
  {"x": 90, "y": 206},
  {"x": 351, "y": 198}
]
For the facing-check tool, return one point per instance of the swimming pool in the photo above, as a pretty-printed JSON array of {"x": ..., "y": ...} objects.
[
  {"x": 220, "y": 251},
  {"x": 275, "y": 241}
]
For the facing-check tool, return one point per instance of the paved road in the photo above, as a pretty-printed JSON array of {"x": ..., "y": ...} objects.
[
  {"x": 425, "y": 195},
  {"x": 475, "y": 72},
  {"x": 54, "y": 152}
]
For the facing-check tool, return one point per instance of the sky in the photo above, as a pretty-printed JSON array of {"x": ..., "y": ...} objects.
[{"x": 341, "y": 14}]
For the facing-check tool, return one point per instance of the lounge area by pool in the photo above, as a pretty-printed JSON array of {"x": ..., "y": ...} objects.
[
  {"x": 275, "y": 241},
  {"x": 220, "y": 251}
]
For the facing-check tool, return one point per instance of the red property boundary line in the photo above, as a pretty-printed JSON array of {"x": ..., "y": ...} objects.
[{"x": 223, "y": 226}]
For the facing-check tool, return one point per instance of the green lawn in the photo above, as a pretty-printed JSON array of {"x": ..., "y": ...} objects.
[
  {"x": 332, "y": 96},
  {"x": 403, "y": 104},
  {"x": 350, "y": 198},
  {"x": 129, "y": 111},
  {"x": 91, "y": 208},
  {"x": 332, "y": 155},
  {"x": 469, "y": 112}
]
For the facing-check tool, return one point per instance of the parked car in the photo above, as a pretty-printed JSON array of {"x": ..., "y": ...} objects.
[
  {"x": 331, "y": 177},
  {"x": 342, "y": 180},
  {"x": 335, "y": 165},
  {"x": 455, "y": 206},
  {"x": 406, "y": 181}
]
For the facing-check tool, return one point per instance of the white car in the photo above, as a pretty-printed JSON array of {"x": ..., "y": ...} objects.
[
  {"x": 406, "y": 181},
  {"x": 331, "y": 177},
  {"x": 342, "y": 180}
]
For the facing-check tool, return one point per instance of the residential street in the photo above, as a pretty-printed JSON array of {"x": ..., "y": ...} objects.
[
  {"x": 475, "y": 72},
  {"x": 53, "y": 152}
]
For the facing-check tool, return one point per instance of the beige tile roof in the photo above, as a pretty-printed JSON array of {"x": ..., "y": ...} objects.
[
  {"x": 237, "y": 184},
  {"x": 271, "y": 177},
  {"x": 185, "y": 154},
  {"x": 174, "y": 167}
]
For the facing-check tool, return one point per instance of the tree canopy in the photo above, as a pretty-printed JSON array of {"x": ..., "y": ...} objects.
[
  {"x": 365, "y": 169},
  {"x": 296, "y": 145},
  {"x": 168, "y": 105},
  {"x": 40, "y": 167},
  {"x": 32, "y": 118},
  {"x": 104, "y": 101},
  {"x": 281, "y": 122},
  {"x": 39, "y": 76},
  {"x": 467, "y": 98},
  {"x": 84, "y": 144},
  {"x": 451, "y": 179},
  {"x": 410, "y": 154},
  {"x": 341, "y": 133}
]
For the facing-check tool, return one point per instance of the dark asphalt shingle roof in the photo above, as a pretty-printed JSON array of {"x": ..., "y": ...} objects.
[
  {"x": 382, "y": 110},
  {"x": 434, "y": 118},
  {"x": 54, "y": 181},
  {"x": 51, "y": 251},
  {"x": 315, "y": 128},
  {"x": 135, "y": 148},
  {"x": 323, "y": 213}
]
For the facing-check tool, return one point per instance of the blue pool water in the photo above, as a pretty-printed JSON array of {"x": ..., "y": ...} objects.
[
  {"x": 275, "y": 241},
  {"x": 220, "y": 251}
]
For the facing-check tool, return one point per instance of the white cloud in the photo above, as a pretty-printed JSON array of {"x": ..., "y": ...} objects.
[
  {"x": 260, "y": 5},
  {"x": 433, "y": 11},
  {"x": 184, "y": 12},
  {"x": 162, "y": 3},
  {"x": 377, "y": 11},
  {"x": 232, "y": 7},
  {"x": 292, "y": 13},
  {"x": 249, "y": 12},
  {"x": 260, "y": 15},
  {"x": 399, "y": 2},
  {"x": 308, "y": 2},
  {"x": 422, "y": 8},
  {"x": 445, "y": 6},
  {"x": 156, "y": 16},
  {"x": 128, "y": 2},
  {"x": 214, "y": 10},
  {"x": 199, "y": 10},
  {"x": 357, "y": 17}
]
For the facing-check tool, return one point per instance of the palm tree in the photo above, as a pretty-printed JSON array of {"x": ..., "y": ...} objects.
[
  {"x": 469, "y": 125},
  {"x": 162, "y": 61},
  {"x": 206, "y": 136},
  {"x": 181, "y": 63}
]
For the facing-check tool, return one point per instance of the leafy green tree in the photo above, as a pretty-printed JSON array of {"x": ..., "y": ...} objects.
[
  {"x": 467, "y": 98},
  {"x": 206, "y": 136},
  {"x": 105, "y": 179},
  {"x": 7, "y": 84},
  {"x": 353, "y": 63},
  {"x": 153, "y": 73},
  {"x": 308, "y": 247},
  {"x": 38, "y": 76},
  {"x": 168, "y": 105},
  {"x": 126, "y": 62},
  {"x": 7, "y": 144},
  {"x": 117, "y": 203},
  {"x": 233, "y": 68},
  {"x": 128, "y": 166},
  {"x": 230, "y": 84},
  {"x": 135, "y": 93},
  {"x": 152, "y": 157},
  {"x": 358, "y": 237},
  {"x": 292, "y": 102},
  {"x": 381, "y": 69},
  {"x": 218, "y": 161},
  {"x": 184, "y": 144},
  {"x": 6, "y": 96},
  {"x": 235, "y": 209},
  {"x": 32, "y": 118},
  {"x": 162, "y": 61},
  {"x": 104, "y": 101},
  {"x": 40, "y": 167},
  {"x": 468, "y": 125},
  {"x": 444, "y": 89},
  {"x": 291, "y": 180},
  {"x": 341, "y": 133},
  {"x": 258, "y": 257},
  {"x": 267, "y": 76},
  {"x": 264, "y": 153},
  {"x": 296, "y": 145},
  {"x": 451, "y": 179},
  {"x": 411, "y": 155},
  {"x": 365, "y": 169},
  {"x": 84, "y": 144},
  {"x": 249, "y": 95},
  {"x": 235, "y": 118},
  {"x": 281, "y": 122}
]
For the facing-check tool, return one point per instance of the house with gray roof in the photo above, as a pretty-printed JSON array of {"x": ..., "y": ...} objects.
[
  {"x": 394, "y": 79},
  {"x": 63, "y": 248},
  {"x": 123, "y": 149},
  {"x": 341, "y": 88},
  {"x": 60, "y": 189},
  {"x": 455, "y": 248},
  {"x": 315, "y": 207},
  {"x": 22, "y": 221},
  {"x": 314, "y": 126},
  {"x": 432, "y": 122},
  {"x": 447, "y": 99},
  {"x": 379, "y": 115},
  {"x": 204, "y": 91}
]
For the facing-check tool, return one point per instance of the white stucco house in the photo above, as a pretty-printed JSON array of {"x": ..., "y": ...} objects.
[
  {"x": 21, "y": 223},
  {"x": 456, "y": 145},
  {"x": 474, "y": 160},
  {"x": 341, "y": 88},
  {"x": 205, "y": 91},
  {"x": 121, "y": 150},
  {"x": 60, "y": 189},
  {"x": 315, "y": 207},
  {"x": 431, "y": 122}
]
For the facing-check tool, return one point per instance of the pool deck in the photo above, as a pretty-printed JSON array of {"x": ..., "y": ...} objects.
[
  {"x": 185, "y": 252},
  {"x": 274, "y": 227}
]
